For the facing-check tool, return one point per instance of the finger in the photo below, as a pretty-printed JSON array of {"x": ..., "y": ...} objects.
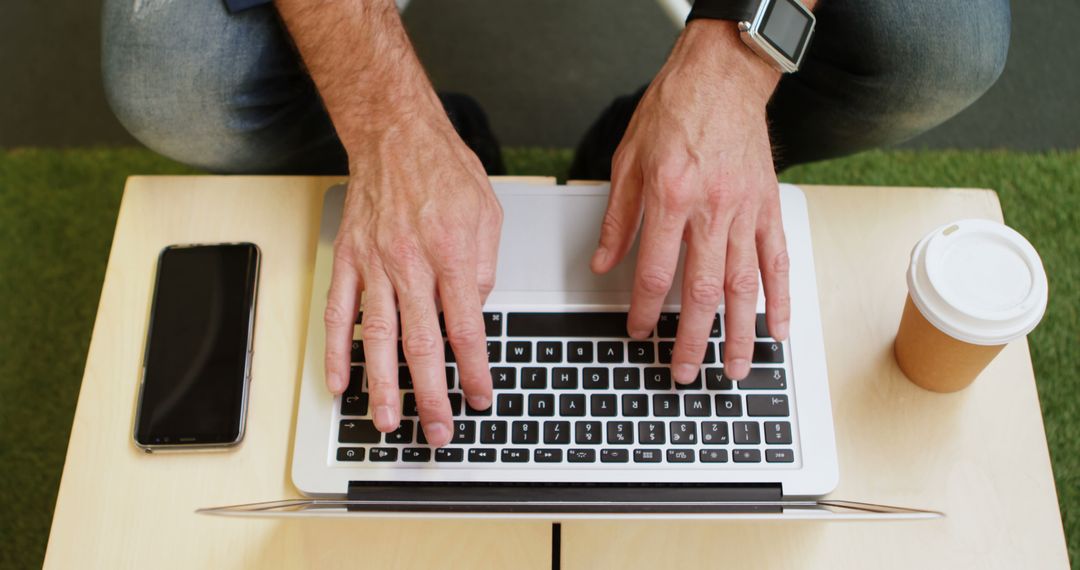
[
  {"x": 339, "y": 319},
  {"x": 465, "y": 329},
  {"x": 740, "y": 297},
  {"x": 702, "y": 292},
  {"x": 379, "y": 330},
  {"x": 423, "y": 346},
  {"x": 621, "y": 218},
  {"x": 658, "y": 256},
  {"x": 773, "y": 255}
]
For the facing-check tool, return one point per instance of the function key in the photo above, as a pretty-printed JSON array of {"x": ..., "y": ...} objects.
[
  {"x": 746, "y": 455},
  {"x": 764, "y": 379},
  {"x": 713, "y": 455},
  {"x": 680, "y": 456},
  {"x": 547, "y": 456},
  {"x": 581, "y": 455},
  {"x": 647, "y": 456},
  {"x": 513, "y": 455},
  {"x": 383, "y": 454},
  {"x": 761, "y": 405},
  {"x": 519, "y": 351},
  {"x": 609, "y": 352},
  {"x": 594, "y": 378},
  {"x": 668, "y": 325},
  {"x": 779, "y": 455},
  {"x": 450, "y": 455},
  {"x": 350, "y": 454},
  {"x": 358, "y": 431},
  {"x": 768, "y": 353},
  {"x": 777, "y": 432},
  {"x": 416, "y": 454},
  {"x": 579, "y": 351},
  {"x": 493, "y": 324},
  {"x": 481, "y": 455},
  {"x": 761, "y": 327},
  {"x": 549, "y": 351},
  {"x": 642, "y": 352},
  {"x": 614, "y": 456}
]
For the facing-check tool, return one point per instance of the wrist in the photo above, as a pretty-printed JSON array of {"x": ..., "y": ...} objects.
[
  {"x": 714, "y": 49},
  {"x": 396, "y": 111}
]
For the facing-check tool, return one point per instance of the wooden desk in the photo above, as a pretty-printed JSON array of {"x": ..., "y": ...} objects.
[{"x": 979, "y": 455}]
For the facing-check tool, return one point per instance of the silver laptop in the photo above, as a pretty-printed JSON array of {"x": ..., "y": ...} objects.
[{"x": 585, "y": 422}]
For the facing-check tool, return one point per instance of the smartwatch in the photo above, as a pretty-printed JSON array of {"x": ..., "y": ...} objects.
[{"x": 778, "y": 31}]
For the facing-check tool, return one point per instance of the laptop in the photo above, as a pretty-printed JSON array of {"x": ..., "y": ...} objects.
[{"x": 585, "y": 422}]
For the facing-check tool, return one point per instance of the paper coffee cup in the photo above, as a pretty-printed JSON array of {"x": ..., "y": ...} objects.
[{"x": 973, "y": 287}]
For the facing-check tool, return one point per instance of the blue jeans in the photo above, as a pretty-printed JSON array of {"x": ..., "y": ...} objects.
[{"x": 228, "y": 93}]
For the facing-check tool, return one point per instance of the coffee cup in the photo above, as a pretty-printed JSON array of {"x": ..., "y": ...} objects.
[{"x": 973, "y": 287}]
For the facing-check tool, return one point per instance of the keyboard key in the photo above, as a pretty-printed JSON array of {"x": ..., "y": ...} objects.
[
  {"x": 614, "y": 456},
  {"x": 481, "y": 455},
  {"x": 358, "y": 431},
  {"x": 680, "y": 455},
  {"x": 581, "y": 352},
  {"x": 728, "y": 405},
  {"x": 511, "y": 455},
  {"x": 403, "y": 434},
  {"x": 354, "y": 404},
  {"x": 416, "y": 454},
  {"x": 350, "y": 454},
  {"x": 494, "y": 351},
  {"x": 664, "y": 351},
  {"x": 777, "y": 432},
  {"x": 557, "y": 432},
  {"x": 635, "y": 405},
  {"x": 526, "y": 432},
  {"x": 746, "y": 433},
  {"x": 356, "y": 378},
  {"x": 716, "y": 327},
  {"x": 651, "y": 432},
  {"x": 455, "y": 403},
  {"x": 779, "y": 456},
  {"x": 714, "y": 433},
  {"x": 768, "y": 353},
  {"x": 658, "y": 378},
  {"x": 401, "y": 353},
  {"x": 697, "y": 405},
  {"x": 581, "y": 455},
  {"x": 572, "y": 405},
  {"x": 357, "y": 351},
  {"x": 519, "y": 351},
  {"x": 610, "y": 352},
  {"x": 383, "y": 454},
  {"x": 602, "y": 405},
  {"x": 715, "y": 379},
  {"x": 642, "y": 352},
  {"x": 541, "y": 404},
  {"x": 665, "y": 405},
  {"x": 404, "y": 378},
  {"x": 761, "y": 328},
  {"x": 469, "y": 411},
  {"x": 549, "y": 352},
  {"x": 450, "y": 454},
  {"x": 534, "y": 378},
  {"x": 588, "y": 432},
  {"x": 761, "y": 405},
  {"x": 449, "y": 377},
  {"x": 713, "y": 455},
  {"x": 695, "y": 385},
  {"x": 448, "y": 352},
  {"x": 503, "y": 378},
  {"x": 764, "y": 379},
  {"x": 547, "y": 456},
  {"x": 408, "y": 406},
  {"x": 620, "y": 432},
  {"x": 493, "y": 431},
  {"x": 594, "y": 378},
  {"x": 580, "y": 325},
  {"x": 464, "y": 432},
  {"x": 682, "y": 433},
  {"x": 667, "y": 325},
  {"x": 564, "y": 378},
  {"x": 710, "y": 354},
  {"x": 493, "y": 324},
  {"x": 746, "y": 455},
  {"x": 627, "y": 379},
  {"x": 647, "y": 456},
  {"x": 510, "y": 405}
]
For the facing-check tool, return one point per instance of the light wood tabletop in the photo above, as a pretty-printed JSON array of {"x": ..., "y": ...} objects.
[{"x": 978, "y": 455}]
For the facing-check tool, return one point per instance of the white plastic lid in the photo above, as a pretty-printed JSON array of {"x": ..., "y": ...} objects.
[{"x": 978, "y": 281}]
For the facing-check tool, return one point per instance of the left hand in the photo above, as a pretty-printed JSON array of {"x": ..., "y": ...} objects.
[{"x": 696, "y": 163}]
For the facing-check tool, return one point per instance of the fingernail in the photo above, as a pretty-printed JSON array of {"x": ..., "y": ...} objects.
[
  {"x": 639, "y": 334},
  {"x": 479, "y": 403},
  {"x": 781, "y": 331},
  {"x": 685, "y": 373},
  {"x": 334, "y": 383},
  {"x": 437, "y": 433},
  {"x": 384, "y": 418},
  {"x": 600, "y": 257},
  {"x": 739, "y": 368}
]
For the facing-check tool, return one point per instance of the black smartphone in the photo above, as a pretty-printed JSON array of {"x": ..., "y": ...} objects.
[{"x": 197, "y": 362}]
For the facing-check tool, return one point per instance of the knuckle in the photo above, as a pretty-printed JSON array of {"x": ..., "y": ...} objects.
[
  {"x": 654, "y": 281},
  {"x": 402, "y": 251},
  {"x": 611, "y": 226},
  {"x": 465, "y": 335},
  {"x": 692, "y": 345},
  {"x": 448, "y": 246},
  {"x": 422, "y": 342},
  {"x": 431, "y": 402},
  {"x": 676, "y": 198},
  {"x": 740, "y": 343},
  {"x": 706, "y": 291},
  {"x": 743, "y": 283},
  {"x": 375, "y": 328},
  {"x": 337, "y": 316},
  {"x": 781, "y": 263},
  {"x": 486, "y": 283}
]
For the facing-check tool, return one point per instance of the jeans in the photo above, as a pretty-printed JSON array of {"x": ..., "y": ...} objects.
[{"x": 228, "y": 92}]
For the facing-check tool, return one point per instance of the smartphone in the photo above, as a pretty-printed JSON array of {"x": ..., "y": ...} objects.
[{"x": 197, "y": 361}]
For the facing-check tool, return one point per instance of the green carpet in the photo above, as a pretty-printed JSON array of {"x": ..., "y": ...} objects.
[{"x": 58, "y": 208}]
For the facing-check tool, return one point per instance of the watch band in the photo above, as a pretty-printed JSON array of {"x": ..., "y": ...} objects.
[{"x": 737, "y": 10}]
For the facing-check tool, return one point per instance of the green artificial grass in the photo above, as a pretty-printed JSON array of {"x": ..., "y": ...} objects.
[{"x": 58, "y": 208}]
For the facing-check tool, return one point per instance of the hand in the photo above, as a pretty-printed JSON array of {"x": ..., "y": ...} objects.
[
  {"x": 420, "y": 221},
  {"x": 696, "y": 160}
]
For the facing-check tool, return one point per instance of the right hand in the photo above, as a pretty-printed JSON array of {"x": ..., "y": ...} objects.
[{"x": 420, "y": 222}]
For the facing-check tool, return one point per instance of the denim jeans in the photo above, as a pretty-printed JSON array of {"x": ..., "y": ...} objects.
[{"x": 228, "y": 92}]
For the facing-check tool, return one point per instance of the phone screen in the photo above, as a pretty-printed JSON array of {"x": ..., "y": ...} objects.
[{"x": 195, "y": 380}]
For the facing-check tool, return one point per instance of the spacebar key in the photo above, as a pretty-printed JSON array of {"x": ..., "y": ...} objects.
[{"x": 566, "y": 324}]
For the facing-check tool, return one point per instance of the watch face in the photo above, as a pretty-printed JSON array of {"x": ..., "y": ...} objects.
[{"x": 786, "y": 26}]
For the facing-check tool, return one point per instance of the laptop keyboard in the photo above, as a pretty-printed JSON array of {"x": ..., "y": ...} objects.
[{"x": 571, "y": 389}]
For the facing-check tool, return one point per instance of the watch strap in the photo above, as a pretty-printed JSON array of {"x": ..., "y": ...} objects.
[{"x": 737, "y": 10}]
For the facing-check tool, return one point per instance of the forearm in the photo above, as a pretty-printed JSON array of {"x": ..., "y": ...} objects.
[{"x": 362, "y": 63}]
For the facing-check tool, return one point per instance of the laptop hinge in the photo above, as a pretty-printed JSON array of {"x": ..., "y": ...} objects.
[{"x": 564, "y": 497}]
